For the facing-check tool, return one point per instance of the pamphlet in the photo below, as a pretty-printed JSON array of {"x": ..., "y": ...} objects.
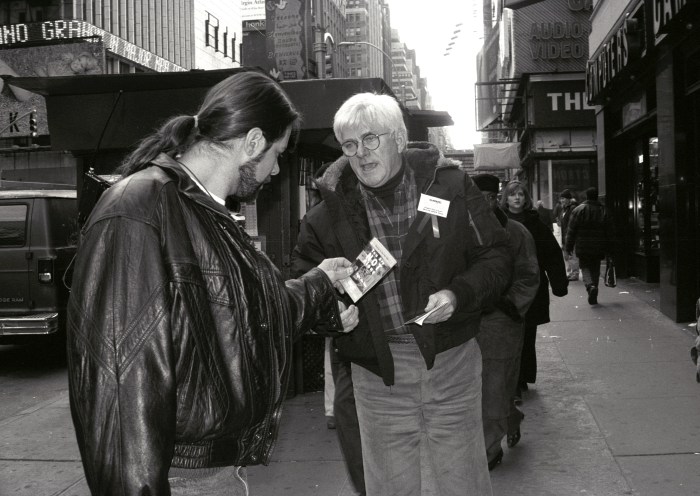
[
  {"x": 370, "y": 266},
  {"x": 419, "y": 319}
]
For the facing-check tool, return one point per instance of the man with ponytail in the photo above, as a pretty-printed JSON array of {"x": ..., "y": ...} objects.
[{"x": 179, "y": 331}]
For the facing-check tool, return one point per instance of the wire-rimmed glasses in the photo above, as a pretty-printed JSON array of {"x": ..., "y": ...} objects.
[{"x": 369, "y": 141}]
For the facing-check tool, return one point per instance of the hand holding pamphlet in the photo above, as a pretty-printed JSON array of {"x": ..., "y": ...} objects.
[
  {"x": 419, "y": 319},
  {"x": 370, "y": 266}
]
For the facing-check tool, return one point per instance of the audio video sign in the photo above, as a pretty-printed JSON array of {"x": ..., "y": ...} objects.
[
  {"x": 552, "y": 36},
  {"x": 23, "y": 113}
]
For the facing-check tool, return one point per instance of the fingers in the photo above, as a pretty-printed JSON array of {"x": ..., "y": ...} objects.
[
  {"x": 443, "y": 303},
  {"x": 349, "y": 317}
]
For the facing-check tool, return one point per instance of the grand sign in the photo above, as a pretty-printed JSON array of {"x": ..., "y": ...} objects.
[
  {"x": 612, "y": 58},
  {"x": 15, "y": 35}
]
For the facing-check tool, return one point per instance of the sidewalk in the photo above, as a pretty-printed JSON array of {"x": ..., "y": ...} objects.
[{"x": 614, "y": 412}]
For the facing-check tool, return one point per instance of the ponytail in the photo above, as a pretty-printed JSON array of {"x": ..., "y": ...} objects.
[{"x": 173, "y": 138}]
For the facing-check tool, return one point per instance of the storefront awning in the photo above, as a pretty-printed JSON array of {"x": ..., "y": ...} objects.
[
  {"x": 117, "y": 110},
  {"x": 496, "y": 156}
]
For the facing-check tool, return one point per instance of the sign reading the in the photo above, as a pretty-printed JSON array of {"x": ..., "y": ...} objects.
[{"x": 560, "y": 104}]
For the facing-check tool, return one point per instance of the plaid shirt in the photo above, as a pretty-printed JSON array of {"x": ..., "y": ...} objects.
[{"x": 390, "y": 228}]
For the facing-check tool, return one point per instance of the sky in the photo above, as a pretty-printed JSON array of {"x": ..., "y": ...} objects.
[{"x": 427, "y": 26}]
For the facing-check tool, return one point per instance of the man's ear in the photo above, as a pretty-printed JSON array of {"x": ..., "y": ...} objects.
[
  {"x": 401, "y": 141},
  {"x": 255, "y": 142}
]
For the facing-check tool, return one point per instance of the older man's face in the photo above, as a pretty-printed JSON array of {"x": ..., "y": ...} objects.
[{"x": 374, "y": 168}]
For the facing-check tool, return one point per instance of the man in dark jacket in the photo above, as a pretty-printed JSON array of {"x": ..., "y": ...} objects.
[
  {"x": 417, "y": 387},
  {"x": 590, "y": 231},
  {"x": 180, "y": 331},
  {"x": 568, "y": 204}
]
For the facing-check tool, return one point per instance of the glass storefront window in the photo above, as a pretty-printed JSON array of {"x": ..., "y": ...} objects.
[{"x": 646, "y": 197}]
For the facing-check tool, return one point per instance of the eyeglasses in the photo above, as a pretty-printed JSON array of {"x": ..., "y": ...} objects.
[{"x": 369, "y": 141}]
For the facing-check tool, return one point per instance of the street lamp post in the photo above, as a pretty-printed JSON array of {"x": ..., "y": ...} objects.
[{"x": 391, "y": 62}]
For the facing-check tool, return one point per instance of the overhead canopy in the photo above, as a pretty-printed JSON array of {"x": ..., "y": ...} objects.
[
  {"x": 124, "y": 108},
  {"x": 496, "y": 156}
]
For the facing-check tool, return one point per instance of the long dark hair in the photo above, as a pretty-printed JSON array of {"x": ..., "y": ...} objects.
[{"x": 230, "y": 109}]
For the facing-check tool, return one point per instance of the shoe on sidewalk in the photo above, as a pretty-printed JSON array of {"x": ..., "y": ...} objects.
[
  {"x": 593, "y": 295},
  {"x": 330, "y": 422},
  {"x": 572, "y": 277}
]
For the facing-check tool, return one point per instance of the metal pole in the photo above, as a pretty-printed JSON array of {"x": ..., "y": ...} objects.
[
  {"x": 319, "y": 43},
  {"x": 391, "y": 62}
]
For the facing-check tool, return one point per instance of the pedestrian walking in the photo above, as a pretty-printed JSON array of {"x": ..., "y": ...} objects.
[
  {"x": 590, "y": 232},
  {"x": 179, "y": 330},
  {"x": 568, "y": 203},
  {"x": 517, "y": 204},
  {"x": 417, "y": 387},
  {"x": 501, "y": 333}
]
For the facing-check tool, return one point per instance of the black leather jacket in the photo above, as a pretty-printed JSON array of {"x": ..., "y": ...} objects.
[{"x": 179, "y": 335}]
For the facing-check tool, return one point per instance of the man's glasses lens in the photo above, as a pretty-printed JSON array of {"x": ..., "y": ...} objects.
[{"x": 369, "y": 141}]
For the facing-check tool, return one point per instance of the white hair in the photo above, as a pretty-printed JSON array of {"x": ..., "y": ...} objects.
[{"x": 370, "y": 109}]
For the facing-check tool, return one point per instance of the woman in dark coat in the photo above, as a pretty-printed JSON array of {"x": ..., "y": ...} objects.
[{"x": 517, "y": 204}]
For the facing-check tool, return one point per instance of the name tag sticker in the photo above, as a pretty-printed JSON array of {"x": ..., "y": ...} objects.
[{"x": 433, "y": 205}]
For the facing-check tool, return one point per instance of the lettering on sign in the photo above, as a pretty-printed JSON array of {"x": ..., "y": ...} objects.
[
  {"x": 558, "y": 40},
  {"x": 567, "y": 101},
  {"x": 664, "y": 11},
  {"x": 18, "y": 34},
  {"x": 611, "y": 59}
]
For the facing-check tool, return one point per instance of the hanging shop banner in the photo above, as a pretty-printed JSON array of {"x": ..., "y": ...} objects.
[
  {"x": 286, "y": 28},
  {"x": 23, "y": 113},
  {"x": 560, "y": 104},
  {"x": 496, "y": 156}
]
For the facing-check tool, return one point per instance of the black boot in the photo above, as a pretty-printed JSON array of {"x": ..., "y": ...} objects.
[{"x": 592, "y": 294}]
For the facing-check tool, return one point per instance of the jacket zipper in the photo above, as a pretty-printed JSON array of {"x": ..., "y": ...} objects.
[{"x": 473, "y": 224}]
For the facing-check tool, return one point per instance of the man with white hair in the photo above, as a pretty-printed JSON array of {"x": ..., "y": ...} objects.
[{"x": 417, "y": 387}]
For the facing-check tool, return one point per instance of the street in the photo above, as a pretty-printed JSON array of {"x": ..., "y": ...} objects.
[
  {"x": 29, "y": 375},
  {"x": 613, "y": 412}
]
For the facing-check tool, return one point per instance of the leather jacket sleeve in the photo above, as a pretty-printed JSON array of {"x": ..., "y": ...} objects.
[
  {"x": 121, "y": 380},
  {"x": 314, "y": 303}
]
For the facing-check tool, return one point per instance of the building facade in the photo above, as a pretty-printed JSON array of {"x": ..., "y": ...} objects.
[
  {"x": 59, "y": 38},
  {"x": 531, "y": 94},
  {"x": 643, "y": 76}
]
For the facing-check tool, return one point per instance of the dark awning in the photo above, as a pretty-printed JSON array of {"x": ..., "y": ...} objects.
[{"x": 79, "y": 107}]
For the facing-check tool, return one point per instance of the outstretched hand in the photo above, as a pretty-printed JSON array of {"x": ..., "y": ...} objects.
[
  {"x": 336, "y": 269},
  {"x": 446, "y": 300}
]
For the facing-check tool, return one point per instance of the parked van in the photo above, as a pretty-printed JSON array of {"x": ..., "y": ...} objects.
[{"x": 38, "y": 239}]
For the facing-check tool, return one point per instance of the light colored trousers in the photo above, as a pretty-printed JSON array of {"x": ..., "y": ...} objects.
[{"x": 423, "y": 435}]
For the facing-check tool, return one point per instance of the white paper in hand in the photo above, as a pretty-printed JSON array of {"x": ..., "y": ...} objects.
[{"x": 421, "y": 318}]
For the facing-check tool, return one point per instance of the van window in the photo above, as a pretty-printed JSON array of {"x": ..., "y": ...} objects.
[
  {"x": 13, "y": 225},
  {"x": 64, "y": 226}
]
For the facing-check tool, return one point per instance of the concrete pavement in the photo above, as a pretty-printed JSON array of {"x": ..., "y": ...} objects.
[{"x": 614, "y": 412}]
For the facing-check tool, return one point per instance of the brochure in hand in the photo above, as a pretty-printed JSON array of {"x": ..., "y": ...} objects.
[
  {"x": 370, "y": 266},
  {"x": 419, "y": 319}
]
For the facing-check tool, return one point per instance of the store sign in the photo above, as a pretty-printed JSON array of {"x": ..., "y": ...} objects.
[
  {"x": 286, "y": 32},
  {"x": 52, "y": 31},
  {"x": 558, "y": 40},
  {"x": 667, "y": 12},
  {"x": 560, "y": 104},
  {"x": 612, "y": 58}
]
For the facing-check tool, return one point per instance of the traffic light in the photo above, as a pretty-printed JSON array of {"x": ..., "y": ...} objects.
[
  {"x": 329, "y": 65},
  {"x": 32, "y": 123}
]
